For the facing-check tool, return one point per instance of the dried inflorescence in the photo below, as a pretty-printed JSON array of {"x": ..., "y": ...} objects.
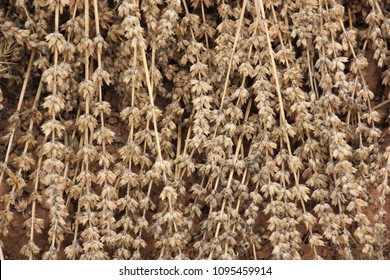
[{"x": 195, "y": 129}]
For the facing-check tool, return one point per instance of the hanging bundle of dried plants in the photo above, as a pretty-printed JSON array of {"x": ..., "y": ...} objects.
[{"x": 202, "y": 129}]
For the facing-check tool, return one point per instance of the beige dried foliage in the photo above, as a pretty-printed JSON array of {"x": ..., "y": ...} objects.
[{"x": 195, "y": 129}]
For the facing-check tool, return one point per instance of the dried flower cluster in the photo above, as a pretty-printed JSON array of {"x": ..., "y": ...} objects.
[{"x": 202, "y": 129}]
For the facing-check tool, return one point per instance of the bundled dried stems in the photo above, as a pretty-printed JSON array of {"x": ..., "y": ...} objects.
[{"x": 202, "y": 129}]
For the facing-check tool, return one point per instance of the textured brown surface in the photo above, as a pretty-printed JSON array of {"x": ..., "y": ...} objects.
[
  {"x": 17, "y": 238},
  {"x": 184, "y": 92}
]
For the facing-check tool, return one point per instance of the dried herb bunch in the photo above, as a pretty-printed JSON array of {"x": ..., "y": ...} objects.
[{"x": 194, "y": 129}]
